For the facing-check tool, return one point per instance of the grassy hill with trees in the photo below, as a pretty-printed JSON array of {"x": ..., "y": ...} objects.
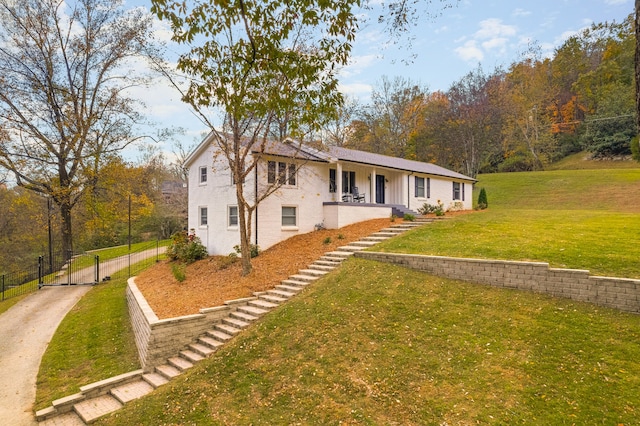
[{"x": 376, "y": 344}]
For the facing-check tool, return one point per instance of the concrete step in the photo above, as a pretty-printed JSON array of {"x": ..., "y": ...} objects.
[
  {"x": 362, "y": 243},
  {"x": 210, "y": 342},
  {"x": 218, "y": 335},
  {"x": 392, "y": 230},
  {"x": 235, "y": 322},
  {"x": 201, "y": 349},
  {"x": 295, "y": 283},
  {"x": 335, "y": 262},
  {"x": 262, "y": 304},
  {"x": 340, "y": 254},
  {"x": 313, "y": 272},
  {"x": 272, "y": 298},
  {"x": 180, "y": 363},
  {"x": 191, "y": 356},
  {"x": 131, "y": 391},
  {"x": 376, "y": 239},
  {"x": 282, "y": 293},
  {"x": 92, "y": 409},
  {"x": 242, "y": 316},
  {"x": 321, "y": 267},
  {"x": 252, "y": 310},
  {"x": 66, "y": 419},
  {"x": 289, "y": 288},
  {"x": 168, "y": 371},
  {"x": 350, "y": 248},
  {"x": 227, "y": 328},
  {"x": 303, "y": 277},
  {"x": 155, "y": 379}
]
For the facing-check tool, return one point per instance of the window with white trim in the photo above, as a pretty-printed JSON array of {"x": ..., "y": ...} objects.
[
  {"x": 233, "y": 216},
  {"x": 285, "y": 173},
  {"x": 457, "y": 192},
  {"x": 289, "y": 216},
  {"x": 204, "y": 219},
  {"x": 419, "y": 187},
  {"x": 203, "y": 175}
]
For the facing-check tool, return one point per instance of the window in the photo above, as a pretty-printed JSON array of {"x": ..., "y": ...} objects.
[
  {"x": 332, "y": 180},
  {"x": 289, "y": 216},
  {"x": 456, "y": 190},
  {"x": 203, "y": 216},
  {"x": 233, "y": 216},
  {"x": 203, "y": 174},
  {"x": 286, "y": 173},
  {"x": 419, "y": 191},
  {"x": 348, "y": 182}
]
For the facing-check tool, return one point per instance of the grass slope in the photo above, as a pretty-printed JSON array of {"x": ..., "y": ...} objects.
[
  {"x": 377, "y": 344},
  {"x": 579, "y": 219}
]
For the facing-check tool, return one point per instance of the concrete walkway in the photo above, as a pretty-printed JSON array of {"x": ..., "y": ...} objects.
[{"x": 25, "y": 331}]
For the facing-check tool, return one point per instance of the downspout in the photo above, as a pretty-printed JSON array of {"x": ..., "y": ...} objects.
[{"x": 255, "y": 194}]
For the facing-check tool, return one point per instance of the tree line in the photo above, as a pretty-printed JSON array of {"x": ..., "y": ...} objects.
[{"x": 535, "y": 112}]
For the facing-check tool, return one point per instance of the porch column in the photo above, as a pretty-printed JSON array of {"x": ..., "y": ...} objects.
[
  {"x": 339, "y": 181},
  {"x": 405, "y": 190},
  {"x": 372, "y": 185}
]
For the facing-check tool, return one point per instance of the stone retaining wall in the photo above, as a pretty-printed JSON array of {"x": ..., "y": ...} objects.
[
  {"x": 618, "y": 293},
  {"x": 157, "y": 339}
]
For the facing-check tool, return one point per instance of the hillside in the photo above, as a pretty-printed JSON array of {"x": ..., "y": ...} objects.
[{"x": 375, "y": 344}]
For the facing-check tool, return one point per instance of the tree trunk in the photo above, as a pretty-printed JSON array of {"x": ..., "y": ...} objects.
[
  {"x": 245, "y": 240},
  {"x": 637, "y": 63},
  {"x": 67, "y": 235}
]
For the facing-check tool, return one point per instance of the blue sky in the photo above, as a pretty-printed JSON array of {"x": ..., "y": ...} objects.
[{"x": 443, "y": 49}]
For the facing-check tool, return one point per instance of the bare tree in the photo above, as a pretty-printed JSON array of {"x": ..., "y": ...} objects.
[{"x": 65, "y": 69}]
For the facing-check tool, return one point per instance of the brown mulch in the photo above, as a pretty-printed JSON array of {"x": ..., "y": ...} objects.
[{"x": 212, "y": 281}]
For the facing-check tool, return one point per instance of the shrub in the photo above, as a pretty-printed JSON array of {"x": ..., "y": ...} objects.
[
  {"x": 327, "y": 241},
  {"x": 340, "y": 237},
  {"x": 179, "y": 271},
  {"x": 482, "y": 199},
  {"x": 186, "y": 248},
  {"x": 393, "y": 217},
  {"x": 253, "y": 249},
  {"x": 437, "y": 209},
  {"x": 635, "y": 148},
  {"x": 409, "y": 217}
]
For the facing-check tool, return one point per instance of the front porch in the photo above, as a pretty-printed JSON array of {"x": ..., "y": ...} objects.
[{"x": 339, "y": 214}]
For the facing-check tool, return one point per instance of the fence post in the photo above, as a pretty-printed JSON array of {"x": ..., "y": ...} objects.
[
  {"x": 40, "y": 278},
  {"x": 3, "y": 286},
  {"x": 97, "y": 260}
]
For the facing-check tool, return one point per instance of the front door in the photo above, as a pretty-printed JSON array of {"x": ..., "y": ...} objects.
[{"x": 380, "y": 180}]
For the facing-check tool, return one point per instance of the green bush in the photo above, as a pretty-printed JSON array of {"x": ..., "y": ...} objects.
[
  {"x": 186, "y": 248},
  {"x": 254, "y": 249},
  {"x": 437, "y": 209},
  {"x": 482, "y": 199},
  {"x": 635, "y": 148},
  {"x": 179, "y": 271},
  {"x": 409, "y": 217},
  {"x": 327, "y": 241}
]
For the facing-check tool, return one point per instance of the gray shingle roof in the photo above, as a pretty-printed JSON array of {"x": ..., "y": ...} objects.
[{"x": 369, "y": 158}]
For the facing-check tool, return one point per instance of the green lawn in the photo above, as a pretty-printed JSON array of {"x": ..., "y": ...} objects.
[
  {"x": 373, "y": 344},
  {"x": 377, "y": 344}
]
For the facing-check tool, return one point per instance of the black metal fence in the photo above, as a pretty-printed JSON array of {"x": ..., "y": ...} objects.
[{"x": 86, "y": 268}]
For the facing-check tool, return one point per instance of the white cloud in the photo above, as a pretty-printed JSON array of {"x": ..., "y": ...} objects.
[
  {"x": 356, "y": 90},
  {"x": 495, "y": 43},
  {"x": 520, "y": 12},
  {"x": 470, "y": 51},
  {"x": 490, "y": 28},
  {"x": 358, "y": 64},
  {"x": 615, "y": 2}
]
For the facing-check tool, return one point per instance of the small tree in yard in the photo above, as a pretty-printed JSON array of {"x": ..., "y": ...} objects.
[
  {"x": 262, "y": 64},
  {"x": 64, "y": 110},
  {"x": 482, "y": 199}
]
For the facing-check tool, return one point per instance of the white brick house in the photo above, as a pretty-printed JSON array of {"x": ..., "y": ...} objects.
[{"x": 319, "y": 188}]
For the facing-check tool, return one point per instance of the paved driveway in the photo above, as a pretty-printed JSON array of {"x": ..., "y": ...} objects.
[{"x": 25, "y": 331}]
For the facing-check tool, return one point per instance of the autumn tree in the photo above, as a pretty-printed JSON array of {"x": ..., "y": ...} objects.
[
  {"x": 259, "y": 63},
  {"x": 65, "y": 69},
  {"x": 391, "y": 116}
]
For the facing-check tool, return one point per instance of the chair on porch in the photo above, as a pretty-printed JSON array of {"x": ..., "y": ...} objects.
[{"x": 357, "y": 197}]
